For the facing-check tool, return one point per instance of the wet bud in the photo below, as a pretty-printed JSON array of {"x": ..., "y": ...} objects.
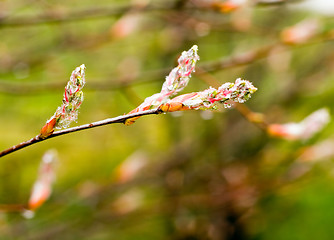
[
  {"x": 240, "y": 91},
  {"x": 72, "y": 100},
  {"x": 175, "y": 82}
]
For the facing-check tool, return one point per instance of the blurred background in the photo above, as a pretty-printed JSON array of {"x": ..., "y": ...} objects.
[{"x": 184, "y": 176}]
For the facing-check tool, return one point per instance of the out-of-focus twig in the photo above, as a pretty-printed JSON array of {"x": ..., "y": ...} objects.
[
  {"x": 253, "y": 117},
  {"x": 237, "y": 60},
  {"x": 12, "y": 207},
  {"x": 150, "y": 76},
  {"x": 57, "y": 17},
  {"x": 264, "y": 3}
]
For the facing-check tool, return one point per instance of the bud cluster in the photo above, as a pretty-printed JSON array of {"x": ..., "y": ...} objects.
[
  {"x": 179, "y": 77},
  {"x": 226, "y": 94},
  {"x": 72, "y": 100},
  {"x": 73, "y": 97}
]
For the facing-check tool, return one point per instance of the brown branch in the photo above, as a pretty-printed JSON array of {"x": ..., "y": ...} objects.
[
  {"x": 240, "y": 59},
  {"x": 270, "y": 3},
  {"x": 253, "y": 117},
  {"x": 57, "y": 17},
  {"x": 13, "y": 207},
  {"x": 119, "y": 119}
]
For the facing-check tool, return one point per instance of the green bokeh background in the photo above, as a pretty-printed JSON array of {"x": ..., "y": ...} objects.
[{"x": 207, "y": 176}]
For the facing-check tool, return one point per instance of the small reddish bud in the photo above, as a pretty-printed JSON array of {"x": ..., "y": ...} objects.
[
  {"x": 172, "y": 107},
  {"x": 130, "y": 121},
  {"x": 278, "y": 130},
  {"x": 226, "y": 7},
  {"x": 48, "y": 128}
]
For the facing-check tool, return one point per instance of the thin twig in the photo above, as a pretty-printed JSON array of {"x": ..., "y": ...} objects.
[
  {"x": 119, "y": 119},
  {"x": 57, "y": 17},
  {"x": 253, "y": 117},
  {"x": 240, "y": 59},
  {"x": 75, "y": 15},
  {"x": 237, "y": 60}
]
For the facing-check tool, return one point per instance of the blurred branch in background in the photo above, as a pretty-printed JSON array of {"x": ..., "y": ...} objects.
[
  {"x": 250, "y": 57},
  {"x": 68, "y": 15},
  {"x": 64, "y": 16},
  {"x": 154, "y": 75},
  {"x": 205, "y": 175}
]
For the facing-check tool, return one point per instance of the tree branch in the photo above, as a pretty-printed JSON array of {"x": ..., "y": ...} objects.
[
  {"x": 78, "y": 15},
  {"x": 57, "y": 17},
  {"x": 12, "y": 207},
  {"x": 119, "y": 119}
]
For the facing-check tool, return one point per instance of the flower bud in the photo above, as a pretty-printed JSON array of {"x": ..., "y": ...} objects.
[
  {"x": 68, "y": 111},
  {"x": 175, "y": 82}
]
